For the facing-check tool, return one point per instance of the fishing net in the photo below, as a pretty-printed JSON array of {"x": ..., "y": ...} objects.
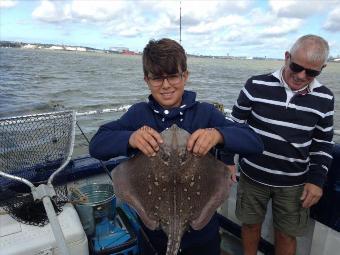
[
  {"x": 33, "y": 149},
  {"x": 23, "y": 208}
]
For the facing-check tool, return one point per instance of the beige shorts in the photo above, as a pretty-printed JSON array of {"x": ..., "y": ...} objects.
[{"x": 289, "y": 216}]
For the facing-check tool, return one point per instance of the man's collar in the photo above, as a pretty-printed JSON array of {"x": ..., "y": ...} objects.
[{"x": 311, "y": 86}]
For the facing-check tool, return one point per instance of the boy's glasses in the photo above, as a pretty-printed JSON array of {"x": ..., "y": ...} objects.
[
  {"x": 173, "y": 79},
  {"x": 297, "y": 69}
]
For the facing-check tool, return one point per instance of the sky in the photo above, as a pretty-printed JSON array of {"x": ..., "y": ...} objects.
[{"x": 250, "y": 28}]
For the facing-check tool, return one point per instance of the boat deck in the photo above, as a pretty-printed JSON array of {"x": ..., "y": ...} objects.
[{"x": 230, "y": 244}]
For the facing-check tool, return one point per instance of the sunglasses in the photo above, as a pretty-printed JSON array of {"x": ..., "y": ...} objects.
[{"x": 297, "y": 69}]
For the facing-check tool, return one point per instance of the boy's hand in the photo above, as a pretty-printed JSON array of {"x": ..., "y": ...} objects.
[
  {"x": 202, "y": 140},
  {"x": 147, "y": 140}
]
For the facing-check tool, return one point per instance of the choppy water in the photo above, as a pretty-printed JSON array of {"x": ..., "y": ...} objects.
[{"x": 34, "y": 81}]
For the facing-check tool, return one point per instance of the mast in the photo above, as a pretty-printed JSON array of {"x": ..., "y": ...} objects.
[{"x": 180, "y": 22}]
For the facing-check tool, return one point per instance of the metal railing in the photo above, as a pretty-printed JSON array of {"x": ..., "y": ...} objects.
[{"x": 126, "y": 107}]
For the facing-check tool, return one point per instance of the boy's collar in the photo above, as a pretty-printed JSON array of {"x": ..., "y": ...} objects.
[{"x": 188, "y": 100}]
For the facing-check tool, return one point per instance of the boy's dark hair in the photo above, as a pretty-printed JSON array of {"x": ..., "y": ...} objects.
[{"x": 164, "y": 56}]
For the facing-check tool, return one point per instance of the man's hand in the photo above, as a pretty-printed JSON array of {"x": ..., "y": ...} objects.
[
  {"x": 232, "y": 170},
  {"x": 147, "y": 140},
  {"x": 202, "y": 140},
  {"x": 310, "y": 195}
]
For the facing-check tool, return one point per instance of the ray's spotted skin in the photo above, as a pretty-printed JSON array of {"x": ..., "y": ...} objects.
[{"x": 174, "y": 189}]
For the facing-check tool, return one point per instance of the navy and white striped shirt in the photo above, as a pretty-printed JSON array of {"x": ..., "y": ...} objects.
[{"x": 296, "y": 129}]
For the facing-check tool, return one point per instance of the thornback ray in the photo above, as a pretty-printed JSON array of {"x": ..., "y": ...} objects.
[{"x": 174, "y": 189}]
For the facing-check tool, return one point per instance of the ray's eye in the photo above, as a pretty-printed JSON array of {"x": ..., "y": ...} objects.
[
  {"x": 165, "y": 157},
  {"x": 183, "y": 156}
]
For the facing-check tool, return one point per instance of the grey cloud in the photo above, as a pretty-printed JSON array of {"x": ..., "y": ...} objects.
[
  {"x": 332, "y": 23},
  {"x": 296, "y": 12},
  {"x": 276, "y": 34},
  {"x": 189, "y": 21},
  {"x": 299, "y": 9},
  {"x": 241, "y": 42}
]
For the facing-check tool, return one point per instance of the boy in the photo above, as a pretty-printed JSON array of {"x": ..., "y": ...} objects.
[{"x": 165, "y": 73}]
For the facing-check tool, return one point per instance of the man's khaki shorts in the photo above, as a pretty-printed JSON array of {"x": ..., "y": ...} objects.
[{"x": 289, "y": 216}]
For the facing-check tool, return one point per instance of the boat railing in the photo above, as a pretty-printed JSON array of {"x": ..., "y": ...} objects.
[{"x": 126, "y": 107}]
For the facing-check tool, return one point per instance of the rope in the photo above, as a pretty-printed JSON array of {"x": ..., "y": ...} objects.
[{"x": 100, "y": 162}]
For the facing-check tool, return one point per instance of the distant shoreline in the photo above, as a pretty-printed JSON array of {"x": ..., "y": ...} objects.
[{"x": 118, "y": 50}]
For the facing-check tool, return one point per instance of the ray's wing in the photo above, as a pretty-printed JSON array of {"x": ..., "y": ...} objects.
[
  {"x": 209, "y": 189},
  {"x": 130, "y": 180}
]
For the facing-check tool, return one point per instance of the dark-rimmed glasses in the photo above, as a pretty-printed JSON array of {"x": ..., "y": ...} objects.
[
  {"x": 158, "y": 81},
  {"x": 297, "y": 69}
]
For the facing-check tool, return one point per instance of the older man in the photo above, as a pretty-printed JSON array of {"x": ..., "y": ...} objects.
[{"x": 293, "y": 114}]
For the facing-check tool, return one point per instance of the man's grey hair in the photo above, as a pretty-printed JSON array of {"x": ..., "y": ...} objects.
[{"x": 317, "y": 47}]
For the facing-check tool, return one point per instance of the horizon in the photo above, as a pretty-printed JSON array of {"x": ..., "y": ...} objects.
[
  {"x": 137, "y": 53},
  {"x": 264, "y": 29}
]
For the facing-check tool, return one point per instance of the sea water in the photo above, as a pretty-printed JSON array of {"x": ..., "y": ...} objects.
[{"x": 35, "y": 81}]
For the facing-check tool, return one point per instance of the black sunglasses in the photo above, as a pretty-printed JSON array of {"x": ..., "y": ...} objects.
[{"x": 297, "y": 69}]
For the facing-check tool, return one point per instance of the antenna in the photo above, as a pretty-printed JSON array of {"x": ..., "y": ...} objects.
[{"x": 180, "y": 22}]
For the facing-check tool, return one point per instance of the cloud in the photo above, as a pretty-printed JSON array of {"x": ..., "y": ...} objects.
[
  {"x": 51, "y": 12},
  {"x": 333, "y": 21},
  {"x": 134, "y": 24},
  {"x": 282, "y": 27},
  {"x": 212, "y": 25},
  {"x": 209, "y": 10},
  {"x": 95, "y": 11},
  {"x": 227, "y": 22},
  {"x": 7, "y": 3},
  {"x": 297, "y": 8},
  {"x": 78, "y": 11},
  {"x": 153, "y": 16}
]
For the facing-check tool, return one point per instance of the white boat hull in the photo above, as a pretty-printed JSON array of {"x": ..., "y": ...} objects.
[{"x": 22, "y": 239}]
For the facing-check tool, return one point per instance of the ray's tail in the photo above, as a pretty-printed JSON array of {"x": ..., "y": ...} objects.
[{"x": 174, "y": 236}]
